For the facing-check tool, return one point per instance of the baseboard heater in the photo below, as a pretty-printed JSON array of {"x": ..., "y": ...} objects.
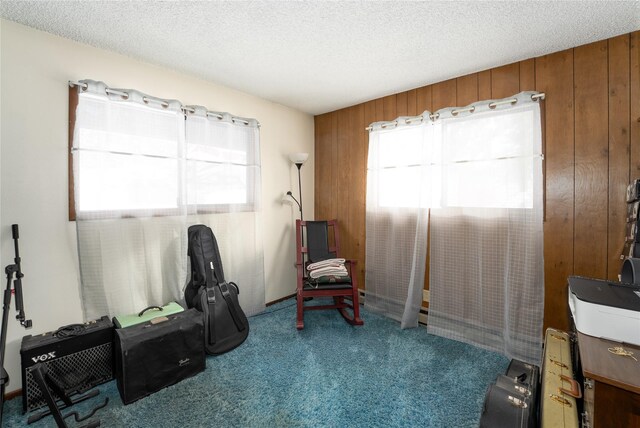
[{"x": 422, "y": 316}]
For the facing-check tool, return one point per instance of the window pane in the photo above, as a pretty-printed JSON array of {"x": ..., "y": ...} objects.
[
  {"x": 93, "y": 139},
  {"x": 126, "y": 127},
  {"x": 214, "y": 184},
  {"x": 487, "y": 159},
  {"x": 488, "y": 136},
  {"x": 216, "y": 154},
  {"x": 500, "y": 183},
  {"x": 108, "y": 181},
  {"x": 401, "y": 147},
  {"x": 401, "y": 163},
  {"x": 397, "y": 187}
]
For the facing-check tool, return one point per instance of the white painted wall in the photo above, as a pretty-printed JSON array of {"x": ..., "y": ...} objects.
[{"x": 35, "y": 68}]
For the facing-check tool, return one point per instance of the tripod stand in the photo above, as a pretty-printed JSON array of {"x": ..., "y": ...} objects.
[{"x": 10, "y": 270}]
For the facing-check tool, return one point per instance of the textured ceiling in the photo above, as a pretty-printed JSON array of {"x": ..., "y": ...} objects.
[{"x": 320, "y": 56}]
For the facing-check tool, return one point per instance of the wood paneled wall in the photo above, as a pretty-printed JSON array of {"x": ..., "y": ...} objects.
[{"x": 591, "y": 137}]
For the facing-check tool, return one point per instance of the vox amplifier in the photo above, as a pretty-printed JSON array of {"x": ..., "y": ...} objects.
[{"x": 78, "y": 357}]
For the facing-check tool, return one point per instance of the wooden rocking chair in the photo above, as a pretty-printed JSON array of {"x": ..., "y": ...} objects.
[{"x": 321, "y": 245}]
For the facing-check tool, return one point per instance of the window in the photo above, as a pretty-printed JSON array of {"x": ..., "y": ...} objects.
[
  {"x": 222, "y": 164},
  {"x": 148, "y": 159},
  {"x": 484, "y": 160}
]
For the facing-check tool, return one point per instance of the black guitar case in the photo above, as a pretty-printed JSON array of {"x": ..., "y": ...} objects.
[{"x": 225, "y": 324}]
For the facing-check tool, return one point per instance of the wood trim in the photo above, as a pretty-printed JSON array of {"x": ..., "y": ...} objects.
[
  {"x": 591, "y": 160},
  {"x": 357, "y": 202},
  {"x": 444, "y": 94},
  {"x": 344, "y": 189},
  {"x": 282, "y": 299},
  {"x": 423, "y": 99},
  {"x": 619, "y": 150},
  {"x": 467, "y": 90},
  {"x": 527, "y": 75},
  {"x": 505, "y": 81},
  {"x": 13, "y": 394},
  {"x": 484, "y": 85},
  {"x": 552, "y": 74},
  {"x": 324, "y": 165},
  {"x": 402, "y": 108},
  {"x": 411, "y": 103},
  {"x": 389, "y": 108},
  {"x": 73, "y": 104},
  {"x": 634, "y": 96}
]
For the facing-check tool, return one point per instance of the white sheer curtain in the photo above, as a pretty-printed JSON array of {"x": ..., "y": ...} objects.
[
  {"x": 486, "y": 268},
  {"x": 478, "y": 171},
  {"x": 128, "y": 165},
  {"x": 226, "y": 150},
  {"x": 398, "y": 197},
  {"x": 138, "y": 185}
]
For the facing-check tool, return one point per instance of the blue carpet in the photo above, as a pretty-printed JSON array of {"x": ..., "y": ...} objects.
[{"x": 329, "y": 374}]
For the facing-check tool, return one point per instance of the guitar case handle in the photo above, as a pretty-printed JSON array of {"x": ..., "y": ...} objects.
[
  {"x": 149, "y": 308},
  {"x": 575, "y": 391}
]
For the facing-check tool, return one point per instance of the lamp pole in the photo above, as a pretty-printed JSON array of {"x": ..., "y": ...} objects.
[
  {"x": 298, "y": 159},
  {"x": 299, "y": 165}
]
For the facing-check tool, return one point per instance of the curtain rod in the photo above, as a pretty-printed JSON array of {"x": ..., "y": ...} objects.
[
  {"x": 434, "y": 116},
  {"x": 163, "y": 103}
]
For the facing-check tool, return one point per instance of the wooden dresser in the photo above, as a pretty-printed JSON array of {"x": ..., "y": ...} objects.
[{"x": 611, "y": 384}]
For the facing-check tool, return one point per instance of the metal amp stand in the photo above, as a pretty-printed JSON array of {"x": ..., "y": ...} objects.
[{"x": 11, "y": 270}]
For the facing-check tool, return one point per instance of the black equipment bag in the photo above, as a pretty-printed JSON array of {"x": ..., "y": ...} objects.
[
  {"x": 524, "y": 373},
  {"x": 158, "y": 353},
  {"x": 225, "y": 324},
  {"x": 513, "y": 399},
  {"x": 505, "y": 408}
]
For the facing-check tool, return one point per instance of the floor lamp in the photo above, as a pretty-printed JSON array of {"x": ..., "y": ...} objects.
[{"x": 298, "y": 159}]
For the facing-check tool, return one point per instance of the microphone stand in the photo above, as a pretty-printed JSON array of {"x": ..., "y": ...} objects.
[{"x": 10, "y": 270}]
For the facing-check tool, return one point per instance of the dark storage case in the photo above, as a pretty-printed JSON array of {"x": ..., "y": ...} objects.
[
  {"x": 512, "y": 385},
  {"x": 506, "y": 409},
  {"x": 512, "y": 400},
  {"x": 528, "y": 374},
  {"x": 158, "y": 353}
]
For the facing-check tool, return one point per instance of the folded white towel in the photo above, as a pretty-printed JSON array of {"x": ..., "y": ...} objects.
[
  {"x": 329, "y": 271},
  {"x": 324, "y": 263}
]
